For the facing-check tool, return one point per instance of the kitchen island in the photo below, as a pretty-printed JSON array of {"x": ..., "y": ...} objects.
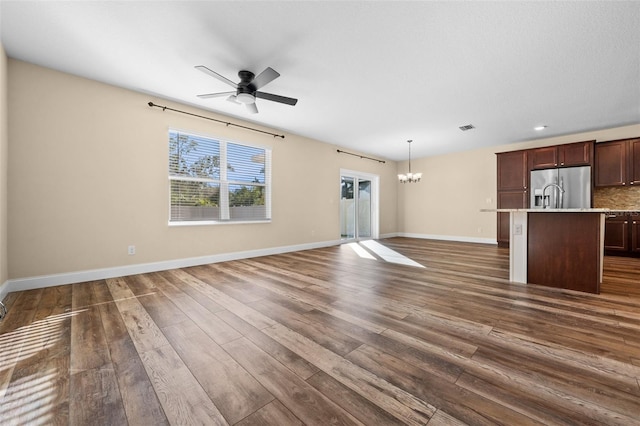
[{"x": 562, "y": 248}]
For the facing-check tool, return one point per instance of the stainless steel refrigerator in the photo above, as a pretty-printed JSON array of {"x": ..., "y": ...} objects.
[{"x": 566, "y": 188}]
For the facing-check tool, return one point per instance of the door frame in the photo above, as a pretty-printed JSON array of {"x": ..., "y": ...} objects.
[{"x": 375, "y": 200}]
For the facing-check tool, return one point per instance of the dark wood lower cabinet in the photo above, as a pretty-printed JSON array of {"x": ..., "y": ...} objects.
[
  {"x": 635, "y": 235},
  {"x": 622, "y": 235},
  {"x": 616, "y": 234}
]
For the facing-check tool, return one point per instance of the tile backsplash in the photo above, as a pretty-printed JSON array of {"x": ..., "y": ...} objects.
[{"x": 617, "y": 197}]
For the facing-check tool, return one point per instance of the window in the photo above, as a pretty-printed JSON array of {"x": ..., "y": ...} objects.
[{"x": 217, "y": 181}]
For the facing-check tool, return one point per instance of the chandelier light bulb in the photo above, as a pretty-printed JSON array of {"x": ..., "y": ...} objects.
[{"x": 409, "y": 177}]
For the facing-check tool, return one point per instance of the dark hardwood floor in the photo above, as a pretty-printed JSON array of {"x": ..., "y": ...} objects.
[{"x": 326, "y": 337}]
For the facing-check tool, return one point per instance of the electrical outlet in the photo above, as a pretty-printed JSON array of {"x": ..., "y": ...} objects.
[
  {"x": 131, "y": 250},
  {"x": 517, "y": 229}
]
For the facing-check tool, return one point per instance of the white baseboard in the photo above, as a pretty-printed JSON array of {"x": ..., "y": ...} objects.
[
  {"x": 448, "y": 238},
  {"x": 391, "y": 235},
  {"x": 30, "y": 283},
  {"x": 42, "y": 281},
  {"x": 4, "y": 290}
]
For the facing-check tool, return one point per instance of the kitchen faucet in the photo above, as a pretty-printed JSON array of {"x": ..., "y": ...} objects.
[{"x": 545, "y": 190}]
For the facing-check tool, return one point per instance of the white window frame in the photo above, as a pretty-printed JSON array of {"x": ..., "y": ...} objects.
[{"x": 223, "y": 183}]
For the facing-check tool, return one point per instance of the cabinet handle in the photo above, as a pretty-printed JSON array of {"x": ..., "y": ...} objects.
[
  {"x": 562, "y": 164},
  {"x": 623, "y": 183}
]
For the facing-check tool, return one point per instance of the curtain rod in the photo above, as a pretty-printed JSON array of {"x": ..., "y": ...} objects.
[
  {"x": 275, "y": 135},
  {"x": 361, "y": 156}
]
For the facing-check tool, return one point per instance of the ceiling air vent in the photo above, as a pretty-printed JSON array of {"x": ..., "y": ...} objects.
[{"x": 467, "y": 127}]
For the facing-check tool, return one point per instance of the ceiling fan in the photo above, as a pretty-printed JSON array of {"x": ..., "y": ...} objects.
[{"x": 247, "y": 89}]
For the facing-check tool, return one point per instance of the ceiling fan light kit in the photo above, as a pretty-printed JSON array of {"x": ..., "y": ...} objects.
[
  {"x": 247, "y": 89},
  {"x": 410, "y": 177},
  {"x": 245, "y": 98}
]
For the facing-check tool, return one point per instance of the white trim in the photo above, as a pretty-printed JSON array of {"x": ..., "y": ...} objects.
[
  {"x": 43, "y": 281},
  {"x": 268, "y": 166},
  {"x": 4, "y": 290},
  {"x": 448, "y": 238},
  {"x": 390, "y": 235},
  {"x": 375, "y": 199},
  {"x": 215, "y": 222},
  {"x": 224, "y": 184}
]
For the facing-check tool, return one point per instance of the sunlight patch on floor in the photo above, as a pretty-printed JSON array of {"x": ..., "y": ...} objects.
[
  {"x": 25, "y": 342},
  {"x": 360, "y": 251},
  {"x": 364, "y": 249},
  {"x": 29, "y": 398}
]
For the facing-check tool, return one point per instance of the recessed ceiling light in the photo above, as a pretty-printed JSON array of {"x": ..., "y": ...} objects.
[{"x": 538, "y": 128}]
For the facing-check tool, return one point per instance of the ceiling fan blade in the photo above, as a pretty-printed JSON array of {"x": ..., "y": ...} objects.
[
  {"x": 276, "y": 98},
  {"x": 265, "y": 77},
  {"x": 215, "y": 95},
  {"x": 216, "y": 75},
  {"x": 252, "y": 108},
  {"x": 232, "y": 98}
]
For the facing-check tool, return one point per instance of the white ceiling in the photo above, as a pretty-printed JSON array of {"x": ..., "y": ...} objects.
[{"x": 368, "y": 75}]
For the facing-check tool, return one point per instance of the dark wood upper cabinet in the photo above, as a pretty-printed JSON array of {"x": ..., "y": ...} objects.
[
  {"x": 568, "y": 155},
  {"x": 576, "y": 154},
  {"x": 618, "y": 163},
  {"x": 634, "y": 162},
  {"x": 513, "y": 199},
  {"x": 543, "y": 158},
  {"x": 513, "y": 179},
  {"x": 512, "y": 171}
]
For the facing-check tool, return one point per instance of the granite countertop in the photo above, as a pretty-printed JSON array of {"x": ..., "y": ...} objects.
[{"x": 623, "y": 212}]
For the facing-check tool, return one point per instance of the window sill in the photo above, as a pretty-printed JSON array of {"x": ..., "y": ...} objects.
[{"x": 215, "y": 222}]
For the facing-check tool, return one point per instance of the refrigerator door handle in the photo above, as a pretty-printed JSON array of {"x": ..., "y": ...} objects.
[{"x": 561, "y": 191}]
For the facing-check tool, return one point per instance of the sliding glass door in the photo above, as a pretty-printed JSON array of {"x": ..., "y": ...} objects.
[{"x": 358, "y": 206}]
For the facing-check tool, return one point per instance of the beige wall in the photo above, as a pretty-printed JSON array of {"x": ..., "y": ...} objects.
[
  {"x": 4, "y": 144},
  {"x": 88, "y": 177},
  {"x": 447, "y": 200},
  {"x": 456, "y": 186}
]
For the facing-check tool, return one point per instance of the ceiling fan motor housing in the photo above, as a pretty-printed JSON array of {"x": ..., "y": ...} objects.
[
  {"x": 246, "y": 77},
  {"x": 245, "y": 93}
]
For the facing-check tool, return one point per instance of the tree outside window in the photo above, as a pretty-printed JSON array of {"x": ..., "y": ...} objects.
[{"x": 202, "y": 191}]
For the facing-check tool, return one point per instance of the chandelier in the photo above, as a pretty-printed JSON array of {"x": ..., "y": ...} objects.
[{"x": 410, "y": 177}]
